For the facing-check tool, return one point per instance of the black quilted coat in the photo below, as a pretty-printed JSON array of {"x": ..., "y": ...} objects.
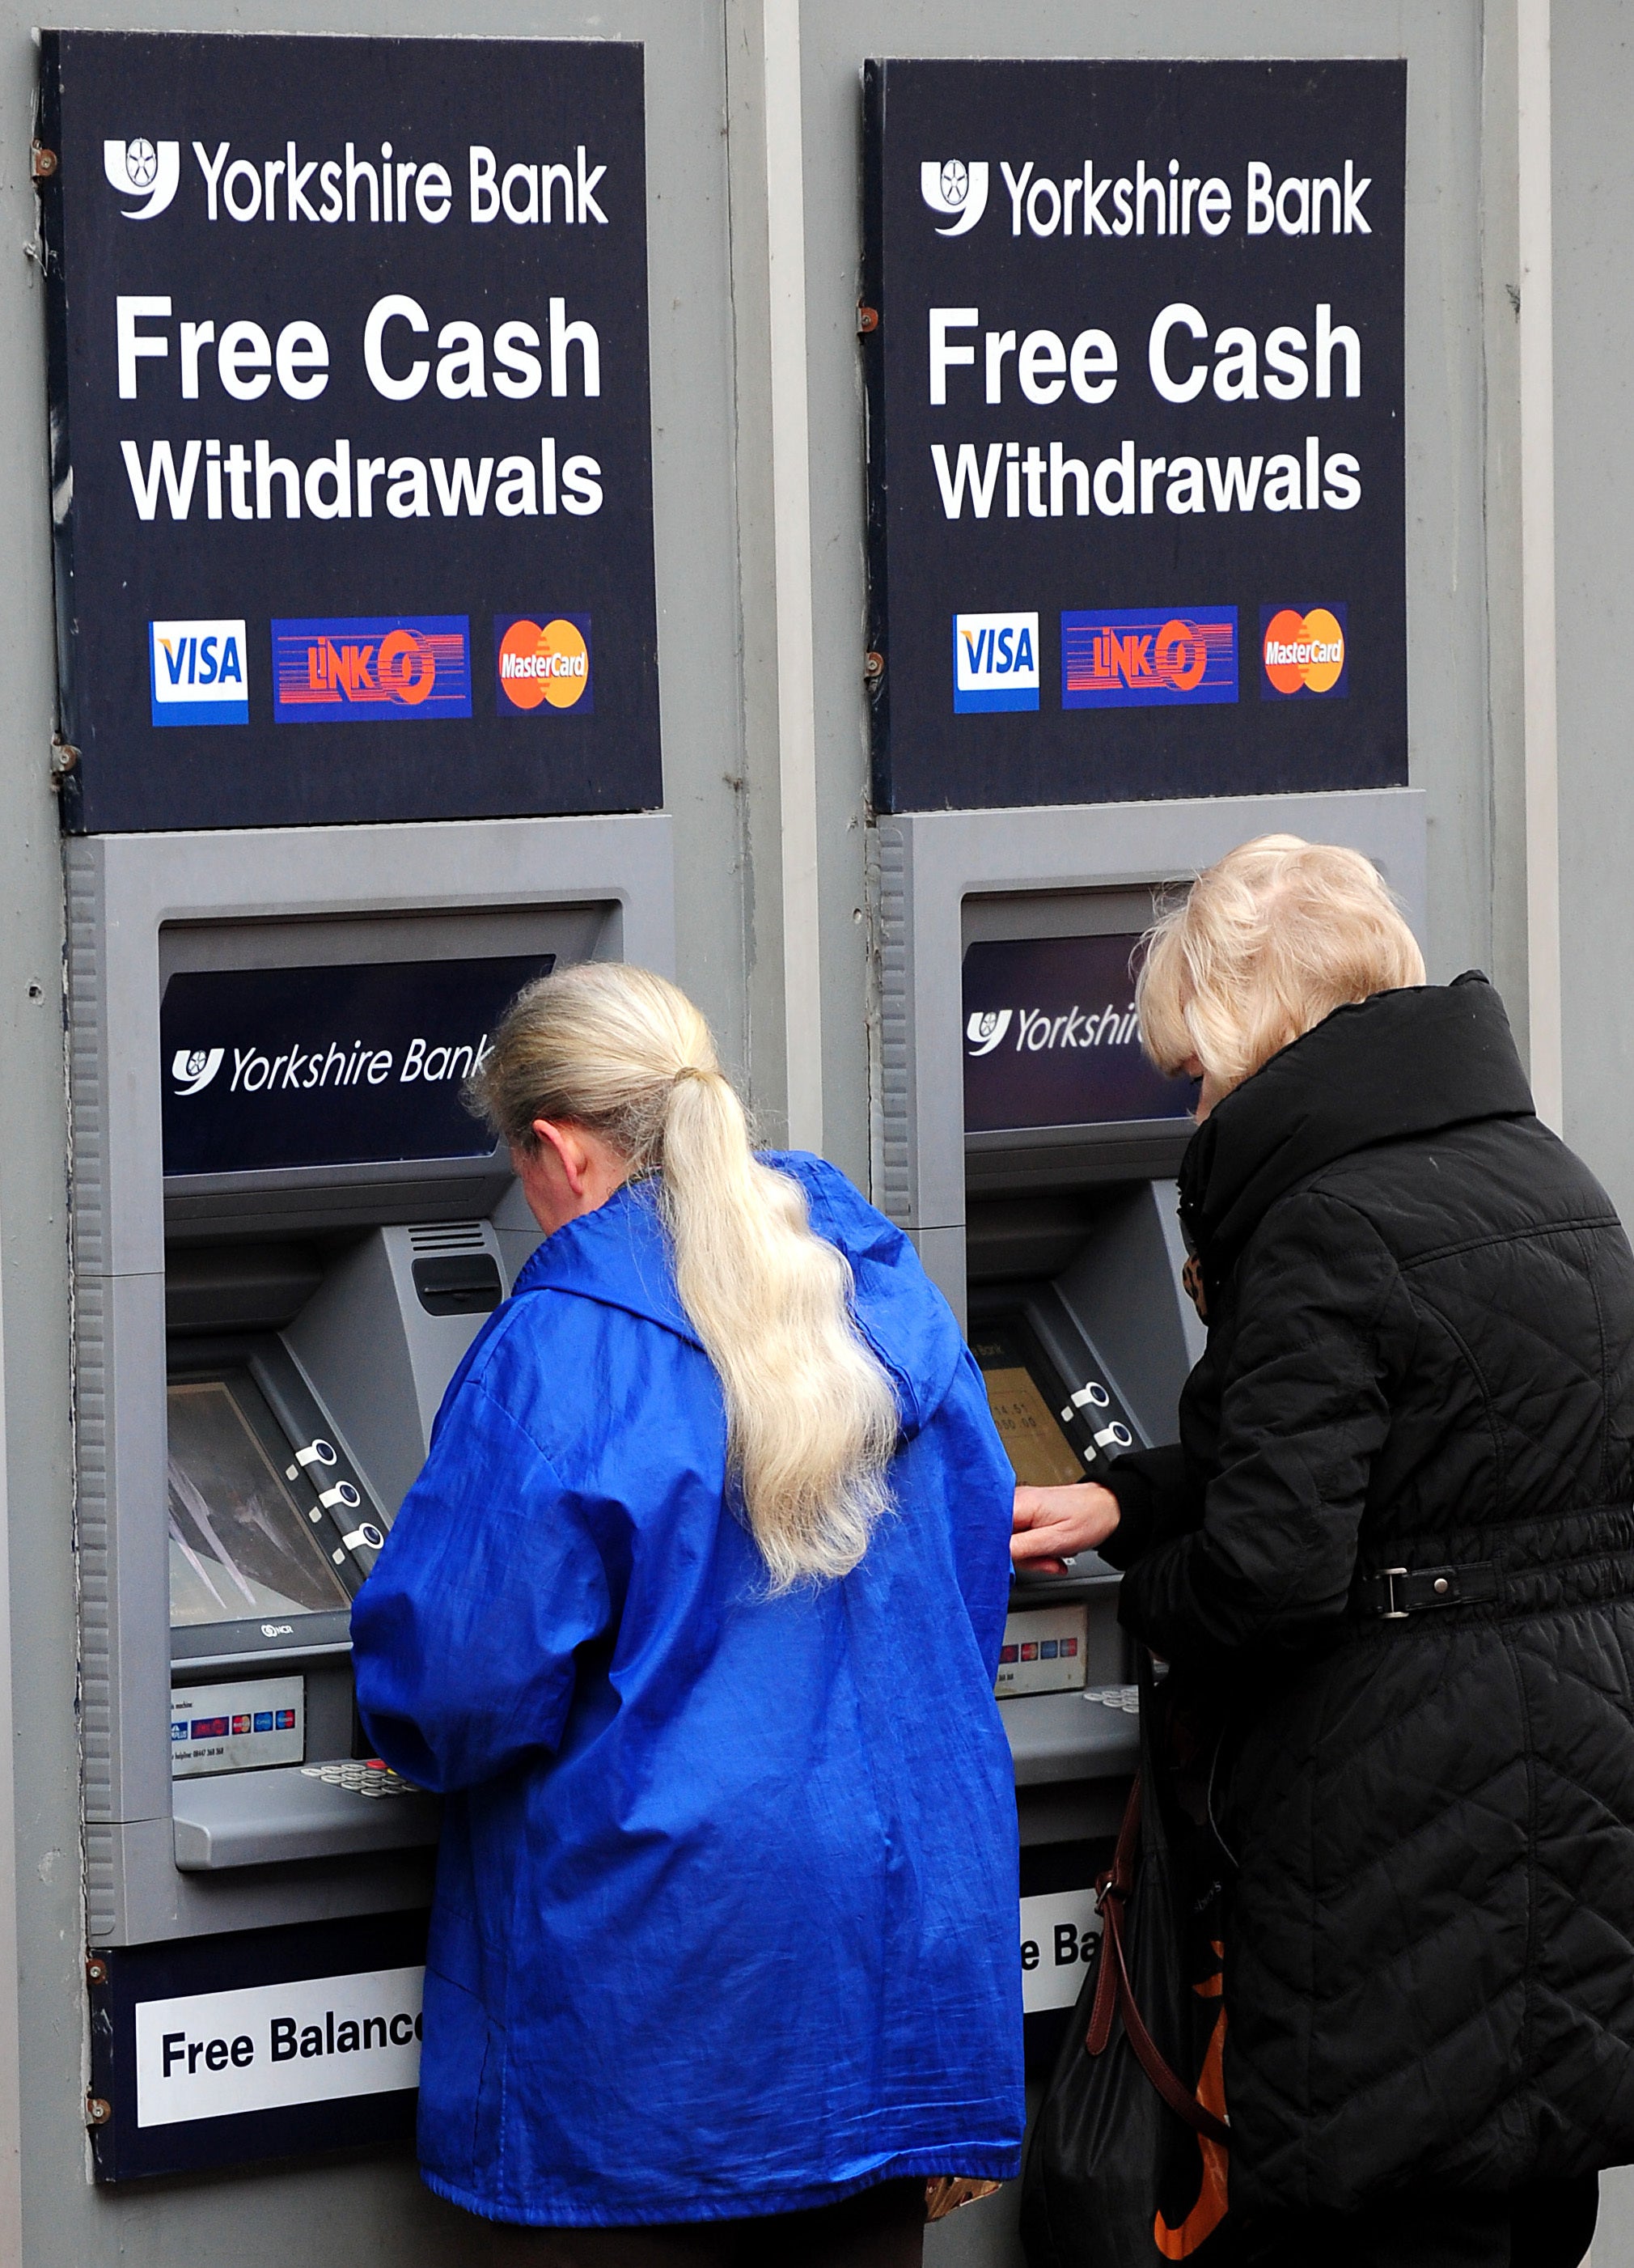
[{"x": 1420, "y": 1356}]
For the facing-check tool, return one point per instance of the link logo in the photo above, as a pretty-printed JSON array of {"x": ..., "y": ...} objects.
[
  {"x": 197, "y": 673},
  {"x": 1304, "y": 653},
  {"x": 995, "y": 662},
  {"x": 369, "y": 667},
  {"x": 1142, "y": 658}
]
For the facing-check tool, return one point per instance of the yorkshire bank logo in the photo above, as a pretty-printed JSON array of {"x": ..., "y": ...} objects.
[
  {"x": 148, "y": 171},
  {"x": 1304, "y": 653},
  {"x": 1038, "y": 1030},
  {"x": 194, "y": 1068},
  {"x": 995, "y": 662},
  {"x": 986, "y": 1029},
  {"x": 1145, "y": 658},
  {"x": 370, "y": 668},
  {"x": 955, "y": 189},
  {"x": 543, "y": 664}
]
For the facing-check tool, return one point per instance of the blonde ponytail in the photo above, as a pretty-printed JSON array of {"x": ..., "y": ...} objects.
[{"x": 811, "y": 1418}]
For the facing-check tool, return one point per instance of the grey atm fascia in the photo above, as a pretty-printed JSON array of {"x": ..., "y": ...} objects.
[
  {"x": 128, "y": 895},
  {"x": 940, "y": 881},
  {"x": 929, "y": 865}
]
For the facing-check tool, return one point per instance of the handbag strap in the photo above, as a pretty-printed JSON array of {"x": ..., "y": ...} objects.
[{"x": 1114, "y": 1989}]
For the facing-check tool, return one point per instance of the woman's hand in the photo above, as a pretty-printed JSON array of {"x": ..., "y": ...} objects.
[{"x": 1052, "y": 1523}]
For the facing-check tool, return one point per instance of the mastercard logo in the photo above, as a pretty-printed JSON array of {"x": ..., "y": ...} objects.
[
  {"x": 1304, "y": 653},
  {"x": 543, "y": 665}
]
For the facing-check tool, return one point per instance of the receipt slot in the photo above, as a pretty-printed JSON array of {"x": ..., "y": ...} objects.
[
  {"x": 288, "y": 1227},
  {"x": 1030, "y": 1151}
]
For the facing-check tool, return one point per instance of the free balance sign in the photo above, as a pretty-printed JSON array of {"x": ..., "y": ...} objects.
[{"x": 212, "y": 2055}]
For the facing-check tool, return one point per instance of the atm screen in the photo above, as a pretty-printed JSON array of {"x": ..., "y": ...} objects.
[
  {"x": 241, "y": 1544},
  {"x": 343, "y": 1065},
  {"x": 1051, "y": 1038},
  {"x": 1034, "y": 1440}
]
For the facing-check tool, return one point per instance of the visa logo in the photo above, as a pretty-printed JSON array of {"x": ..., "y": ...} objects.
[
  {"x": 1148, "y": 658},
  {"x": 356, "y": 668},
  {"x": 197, "y": 673},
  {"x": 995, "y": 662}
]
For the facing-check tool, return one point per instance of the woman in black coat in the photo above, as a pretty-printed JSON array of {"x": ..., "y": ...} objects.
[{"x": 1394, "y": 1550}]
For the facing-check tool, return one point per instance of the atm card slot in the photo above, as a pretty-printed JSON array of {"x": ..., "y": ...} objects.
[{"x": 460, "y": 1284}]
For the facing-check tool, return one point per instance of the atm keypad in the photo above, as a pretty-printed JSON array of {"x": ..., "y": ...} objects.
[{"x": 371, "y": 1777}]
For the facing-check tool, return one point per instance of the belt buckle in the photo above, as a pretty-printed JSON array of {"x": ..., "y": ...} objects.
[{"x": 1393, "y": 1613}]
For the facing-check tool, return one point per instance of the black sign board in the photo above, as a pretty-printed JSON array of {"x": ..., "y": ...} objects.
[
  {"x": 357, "y": 1064},
  {"x": 1137, "y": 518},
  {"x": 1051, "y": 1038},
  {"x": 351, "y": 444},
  {"x": 222, "y": 2051}
]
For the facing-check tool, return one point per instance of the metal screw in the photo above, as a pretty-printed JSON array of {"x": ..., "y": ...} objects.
[
  {"x": 873, "y": 665},
  {"x": 64, "y": 756},
  {"x": 96, "y": 1971},
  {"x": 98, "y": 2111},
  {"x": 43, "y": 162},
  {"x": 867, "y": 320}
]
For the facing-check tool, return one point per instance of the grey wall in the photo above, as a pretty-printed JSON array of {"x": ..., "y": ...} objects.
[{"x": 1594, "y": 208}]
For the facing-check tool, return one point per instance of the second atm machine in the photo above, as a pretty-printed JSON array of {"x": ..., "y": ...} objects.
[
  {"x": 288, "y": 1227},
  {"x": 1030, "y": 1150}
]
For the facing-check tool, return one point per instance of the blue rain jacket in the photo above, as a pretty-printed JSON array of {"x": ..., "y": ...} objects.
[{"x": 726, "y": 1911}]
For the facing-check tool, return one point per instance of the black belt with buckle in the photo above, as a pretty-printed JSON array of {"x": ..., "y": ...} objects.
[{"x": 1395, "y": 1593}]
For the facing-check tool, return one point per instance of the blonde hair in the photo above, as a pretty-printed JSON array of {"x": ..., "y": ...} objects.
[
  {"x": 1264, "y": 945},
  {"x": 812, "y": 1419}
]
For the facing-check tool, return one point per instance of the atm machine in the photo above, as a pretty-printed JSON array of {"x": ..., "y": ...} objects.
[
  {"x": 1030, "y": 1151},
  {"x": 288, "y": 1227}
]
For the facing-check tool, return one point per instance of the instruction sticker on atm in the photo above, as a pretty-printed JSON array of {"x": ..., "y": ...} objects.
[{"x": 242, "y": 1727}]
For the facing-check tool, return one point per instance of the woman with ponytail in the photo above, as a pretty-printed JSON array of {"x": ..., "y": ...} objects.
[{"x": 693, "y": 1618}]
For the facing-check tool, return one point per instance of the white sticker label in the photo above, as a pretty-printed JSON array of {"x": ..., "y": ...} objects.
[
  {"x": 1058, "y": 1934},
  {"x": 210, "y": 2054},
  {"x": 1045, "y": 1650},
  {"x": 237, "y": 1727}
]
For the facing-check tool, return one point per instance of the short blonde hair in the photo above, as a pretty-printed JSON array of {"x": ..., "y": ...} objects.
[{"x": 1264, "y": 945}]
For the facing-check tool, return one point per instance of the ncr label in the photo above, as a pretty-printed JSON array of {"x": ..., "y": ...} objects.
[{"x": 209, "y": 2055}]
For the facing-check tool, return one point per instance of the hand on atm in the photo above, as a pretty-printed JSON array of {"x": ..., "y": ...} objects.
[{"x": 1051, "y": 1524}]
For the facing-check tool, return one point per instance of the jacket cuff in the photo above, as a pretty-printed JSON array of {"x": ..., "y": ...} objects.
[{"x": 1134, "y": 1535}]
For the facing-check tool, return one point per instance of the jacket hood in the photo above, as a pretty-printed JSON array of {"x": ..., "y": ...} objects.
[
  {"x": 620, "y": 1256},
  {"x": 1400, "y": 1065}
]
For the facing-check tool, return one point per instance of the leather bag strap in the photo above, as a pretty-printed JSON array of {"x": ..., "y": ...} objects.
[{"x": 1113, "y": 1988}]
